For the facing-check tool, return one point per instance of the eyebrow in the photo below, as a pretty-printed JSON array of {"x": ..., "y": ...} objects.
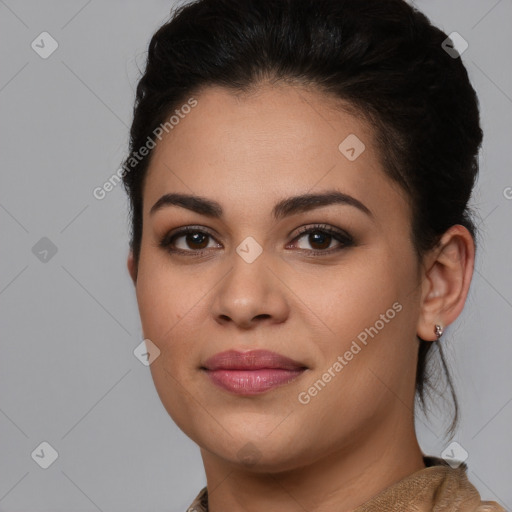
[{"x": 284, "y": 208}]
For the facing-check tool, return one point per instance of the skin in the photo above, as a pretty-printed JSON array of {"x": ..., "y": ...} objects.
[{"x": 356, "y": 436}]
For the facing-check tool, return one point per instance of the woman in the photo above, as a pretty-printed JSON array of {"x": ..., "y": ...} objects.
[{"x": 299, "y": 174}]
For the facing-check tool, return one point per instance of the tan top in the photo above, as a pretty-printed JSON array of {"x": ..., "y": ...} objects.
[{"x": 438, "y": 487}]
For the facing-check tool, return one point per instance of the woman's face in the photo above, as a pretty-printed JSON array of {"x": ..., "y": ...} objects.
[{"x": 343, "y": 306}]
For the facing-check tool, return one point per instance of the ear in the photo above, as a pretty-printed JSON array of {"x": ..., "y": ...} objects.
[
  {"x": 448, "y": 273},
  {"x": 131, "y": 267}
]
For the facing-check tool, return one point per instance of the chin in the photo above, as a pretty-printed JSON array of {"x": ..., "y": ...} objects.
[
  {"x": 267, "y": 450},
  {"x": 257, "y": 457}
]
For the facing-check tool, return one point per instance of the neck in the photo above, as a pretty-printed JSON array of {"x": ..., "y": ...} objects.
[{"x": 341, "y": 481}]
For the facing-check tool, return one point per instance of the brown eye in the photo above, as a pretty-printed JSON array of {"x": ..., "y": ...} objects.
[
  {"x": 185, "y": 240},
  {"x": 320, "y": 237},
  {"x": 196, "y": 240},
  {"x": 319, "y": 240}
]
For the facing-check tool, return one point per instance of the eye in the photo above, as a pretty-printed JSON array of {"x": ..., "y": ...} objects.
[
  {"x": 193, "y": 240},
  {"x": 321, "y": 236}
]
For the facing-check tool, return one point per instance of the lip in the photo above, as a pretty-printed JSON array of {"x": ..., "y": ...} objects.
[{"x": 252, "y": 372}]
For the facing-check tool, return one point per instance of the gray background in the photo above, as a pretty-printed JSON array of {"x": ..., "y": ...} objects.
[{"x": 68, "y": 375}]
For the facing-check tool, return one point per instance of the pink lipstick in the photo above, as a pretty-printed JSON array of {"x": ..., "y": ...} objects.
[{"x": 253, "y": 372}]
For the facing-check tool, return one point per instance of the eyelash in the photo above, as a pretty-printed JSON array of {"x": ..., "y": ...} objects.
[{"x": 344, "y": 238}]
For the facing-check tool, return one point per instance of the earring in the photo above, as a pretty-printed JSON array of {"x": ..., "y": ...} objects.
[{"x": 438, "y": 330}]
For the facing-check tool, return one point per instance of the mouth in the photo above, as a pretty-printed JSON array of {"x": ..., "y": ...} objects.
[{"x": 251, "y": 373}]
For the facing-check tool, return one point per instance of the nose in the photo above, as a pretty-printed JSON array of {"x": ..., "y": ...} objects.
[{"x": 250, "y": 294}]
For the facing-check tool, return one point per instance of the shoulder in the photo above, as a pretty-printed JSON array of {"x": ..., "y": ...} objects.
[
  {"x": 438, "y": 486},
  {"x": 456, "y": 488},
  {"x": 200, "y": 504}
]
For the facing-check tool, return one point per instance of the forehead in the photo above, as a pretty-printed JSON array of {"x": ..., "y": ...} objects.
[{"x": 247, "y": 151}]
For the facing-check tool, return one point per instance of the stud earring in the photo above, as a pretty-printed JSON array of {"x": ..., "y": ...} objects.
[{"x": 438, "y": 330}]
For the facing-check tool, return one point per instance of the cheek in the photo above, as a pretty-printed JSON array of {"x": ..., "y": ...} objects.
[
  {"x": 166, "y": 310},
  {"x": 172, "y": 306},
  {"x": 370, "y": 312},
  {"x": 164, "y": 296},
  {"x": 177, "y": 394},
  {"x": 345, "y": 300}
]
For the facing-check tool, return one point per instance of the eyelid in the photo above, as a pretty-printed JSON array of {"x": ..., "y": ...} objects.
[
  {"x": 184, "y": 230},
  {"x": 344, "y": 238},
  {"x": 308, "y": 228}
]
